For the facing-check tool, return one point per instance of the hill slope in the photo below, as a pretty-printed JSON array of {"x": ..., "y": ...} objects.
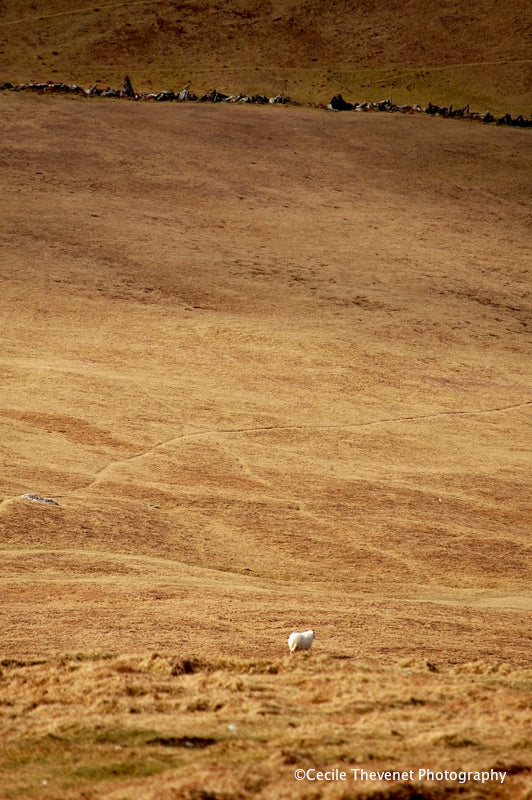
[
  {"x": 450, "y": 51},
  {"x": 254, "y": 361},
  {"x": 262, "y": 369}
]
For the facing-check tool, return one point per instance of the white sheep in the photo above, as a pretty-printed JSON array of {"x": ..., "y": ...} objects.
[{"x": 300, "y": 641}]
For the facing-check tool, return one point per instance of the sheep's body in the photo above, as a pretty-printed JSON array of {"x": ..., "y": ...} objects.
[{"x": 300, "y": 641}]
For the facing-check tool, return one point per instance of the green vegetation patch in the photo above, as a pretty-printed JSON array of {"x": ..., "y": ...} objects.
[
  {"x": 9, "y": 663},
  {"x": 85, "y": 755},
  {"x": 125, "y": 737},
  {"x": 130, "y": 767}
]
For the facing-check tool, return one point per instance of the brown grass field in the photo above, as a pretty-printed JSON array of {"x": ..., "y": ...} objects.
[{"x": 272, "y": 365}]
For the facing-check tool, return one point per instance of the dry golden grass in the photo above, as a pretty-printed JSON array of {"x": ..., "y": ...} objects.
[
  {"x": 271, "y": 364},
  {"x": 103, "y": 726},
  {"x": 419, "y": 50}
]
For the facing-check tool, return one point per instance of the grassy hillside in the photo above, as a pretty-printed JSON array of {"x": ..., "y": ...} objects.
[
  {"x": 419, "y": 50},
  {"x": 270, "y": 368}
]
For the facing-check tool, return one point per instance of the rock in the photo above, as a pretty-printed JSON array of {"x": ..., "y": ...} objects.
[
  {"x": 337, "y": 103},
  {"x": 34, "y": 87},
  {"x": 283, "y": 99},
  {"x": 260, "y": 99},
  {"x": 213, "y": 97},
  {"x": 521, "y": 122},
  {"x": 36, "y": 498},
  {"x": 384, "y": 105},
  {"x": 506, "y": 120},
  {"x": 128, "y": 90},
  {"x": 186, "y": 96},
  {"x": 165, "y": 96},
  {"x": 462, "y": 112},
  {"x": 235, "y": 98}
]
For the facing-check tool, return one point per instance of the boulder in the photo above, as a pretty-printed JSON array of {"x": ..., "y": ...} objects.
[
  {"x": 128, "y": 90},
  {"x": 282, "y": 99},
  {"x": 213, "y": 97},
  {"x": 185, "y": 96},
  {"x": 337, "y": 103}
]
